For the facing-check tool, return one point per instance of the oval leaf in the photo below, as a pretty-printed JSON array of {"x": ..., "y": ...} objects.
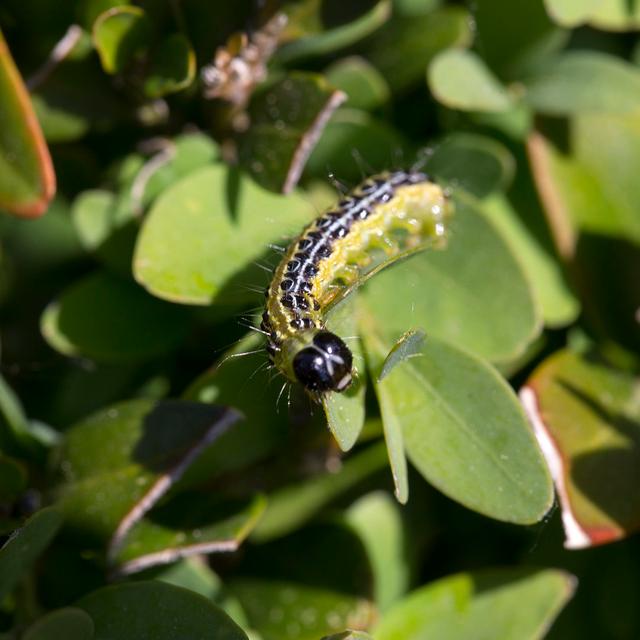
[
  {"x": 206, "y": 229},
  {"x": 27, "y": 179},
  {"x": 460, "y": 79},
  {"x": 119, "y": 462},
  {"x": 466, "y": 433},
  {"x": 482, "y": 605},
  {"x": 156, "y": 611},
  {"x": 125, "y": 322},
  {"x": 119, "y": 34}
]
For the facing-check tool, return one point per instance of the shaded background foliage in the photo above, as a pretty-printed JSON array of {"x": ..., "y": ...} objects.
[{"x": 146, "y": 492}]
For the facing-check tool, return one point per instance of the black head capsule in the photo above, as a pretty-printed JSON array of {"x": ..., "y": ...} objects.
[{"x": 325, "y": 365}]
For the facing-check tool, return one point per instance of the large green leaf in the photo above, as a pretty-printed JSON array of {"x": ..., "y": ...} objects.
[
  {"x": 287, "y": 120},
  {"x": 473, "y": 293},
  {"x": 510, "y": 605},
  {"x": 588, "y": 420},
  {"x": 27, "y": 179},
  {"x": 465, "y": 431},
  {"x": 119, "y": 462},
  {"x": 205, "y": 230},
  {"x": 125, "y": 322},
  {"x": 24, "y": 546},
  {"x": 156, "y": 611}
]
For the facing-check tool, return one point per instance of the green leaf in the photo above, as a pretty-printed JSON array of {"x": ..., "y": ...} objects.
[
  {"x": 345, "y": 411},
  {"x": 290, "y": 507},
  {"x": 125, "y": 324},
  {"x": 349, "y": 635},
  {"x": 588, "y": 420},
  {"x": 219, "y": 222},
  {"x": 120, "y": 34},
  {"x": 173, "y": 67},
  {"x": 27, "y": 178},
  {"x": 476, "y": 163},
  {"x": 192, "y": 525},
  {"x": 363, "y": 84},
  {"x": 460, "y": 79},
  {"x": 378, "y": 356},
  {"x": 584, "y": 82},
  {"x": 156, "y": 611},
  {"x": 378, "y": 522},
  {"x": 558, "y": 303},
  {"x": 466, "y": 433},
  {"x": 330, "y": 40},
  {"x": 24, "y": 546},
  {"x": 119, "y": 462},
  {"x": 69, "y": 623},
  {"x": 403, "y": 50},
  {"x": 473, "y": 293},
  {"x": 287, "y": 120},
  {"x": 480, "y": 605}
]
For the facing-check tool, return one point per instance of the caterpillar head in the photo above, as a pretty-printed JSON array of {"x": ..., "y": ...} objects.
[{"x": 325, "y": 364}]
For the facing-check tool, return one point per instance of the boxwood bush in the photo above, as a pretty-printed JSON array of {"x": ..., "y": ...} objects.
[{"x": 478, "y": 480}]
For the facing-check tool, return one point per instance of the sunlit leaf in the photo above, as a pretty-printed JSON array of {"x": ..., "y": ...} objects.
[
  {"x": 482, "y": 605},
  {"x": 27, "y": 179}
]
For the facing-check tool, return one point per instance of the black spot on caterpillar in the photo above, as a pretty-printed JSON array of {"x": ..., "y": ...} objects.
[{"x": 391, "y": 212}]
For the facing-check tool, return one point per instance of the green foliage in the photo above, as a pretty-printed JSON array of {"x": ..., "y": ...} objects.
[{"x": 156, "y": 481}]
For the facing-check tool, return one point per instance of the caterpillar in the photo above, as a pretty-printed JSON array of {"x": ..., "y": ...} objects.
[{"x": 389, "y": 212}]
